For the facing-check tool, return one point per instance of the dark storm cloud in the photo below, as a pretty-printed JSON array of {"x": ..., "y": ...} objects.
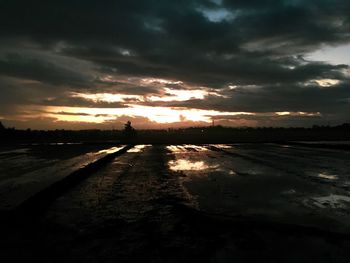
[
  {"x": 15, "y": 65},
  {"x": 68, "y": 101},
  {"x": 202, "y": 43},
  {"x": 10, "y": 91},
  {"x": 295, "y": 98}
]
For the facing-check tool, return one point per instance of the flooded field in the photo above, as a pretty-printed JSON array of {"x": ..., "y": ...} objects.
[
  {"x": 172, "y": 203},
  {"x": 293, "y": 184},
  {"x": 28, "y": 169}
]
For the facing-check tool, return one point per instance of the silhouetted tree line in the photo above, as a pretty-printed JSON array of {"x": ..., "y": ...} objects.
[{"x": 212, "y": 134}]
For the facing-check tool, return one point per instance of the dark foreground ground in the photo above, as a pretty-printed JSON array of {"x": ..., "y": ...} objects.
[{"x": 190, "y": 203}]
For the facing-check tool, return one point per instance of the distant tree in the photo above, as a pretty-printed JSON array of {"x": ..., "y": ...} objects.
[
  {"x": 129, "y": 132},
  {"x": 344, "y": 126},
  {"x": 2, "y": 127}
]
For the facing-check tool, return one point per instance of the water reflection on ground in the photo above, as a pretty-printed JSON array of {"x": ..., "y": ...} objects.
[
  {"x": 197, "y": 148},
  {"x": 265, "y": 180},
  {"x": 196, "y": 160},
  {"x": 325, "y": 175},
  {"x": 110, "y": 150},
  {"x": 23, "y": 172},
  {"x": 16, "y": 151},
  {"x": 330, "y": 201},
  {"x": 222, "y": 146},
  {"x": 138, "y": 148},
  {"x": 186, "y": 165},
  {"x": 186, "y": 148}
]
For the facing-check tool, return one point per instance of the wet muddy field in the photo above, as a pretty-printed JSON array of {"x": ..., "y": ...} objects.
[{"x": 182, "y": 203}]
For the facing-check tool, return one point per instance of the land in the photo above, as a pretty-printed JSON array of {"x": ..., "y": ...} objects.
[
  {"x": 269, "y": 202},
  {"x": 191, "y": 135}
]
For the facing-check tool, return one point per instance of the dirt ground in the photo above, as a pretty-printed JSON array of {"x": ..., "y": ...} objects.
[{"x": 139, "y": 208}]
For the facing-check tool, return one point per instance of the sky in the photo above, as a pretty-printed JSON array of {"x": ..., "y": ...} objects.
[{"x": 82, "y": 64}]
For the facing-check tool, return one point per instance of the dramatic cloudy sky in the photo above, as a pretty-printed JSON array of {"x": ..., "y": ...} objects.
[{"x": 163, "y": 63}]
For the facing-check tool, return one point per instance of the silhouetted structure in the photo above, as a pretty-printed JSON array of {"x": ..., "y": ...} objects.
[
  {"x": 129, "y": 132},
  {"x": 2, "y": 127}
]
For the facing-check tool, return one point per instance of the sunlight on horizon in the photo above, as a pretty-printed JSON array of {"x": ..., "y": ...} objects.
[
  {"x": 298, "y": 113},
  {"x": 167, "y": 95},
  {"x": 154, "y": 114},
  {"x": 143, "y": 114}
]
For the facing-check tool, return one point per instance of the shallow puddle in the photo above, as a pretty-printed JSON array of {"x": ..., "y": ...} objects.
[
  {"x": 332, "y": 201},
  {"x": 139, "y": 148},
  {"x": 188, "y": 165},
  {"x": 110, "y": 150}
]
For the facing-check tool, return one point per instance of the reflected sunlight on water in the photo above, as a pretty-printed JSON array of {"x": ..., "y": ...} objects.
[
  {"x": 185, "y": 147},
  {"x": 196, "y": 147},
  {"x": 65, "y": 143},
  {"x": 110, "y": 150},
  {"x": 325, "y": 175},
  {"x": 174, "y": 148},
  {"x": 138, "y": 148},
  {"x": 186, "y": 165},
  {"x": 17, "y": 151},
  {"x": 330, "y": 201},
  {"x": 222, "y": 146}
]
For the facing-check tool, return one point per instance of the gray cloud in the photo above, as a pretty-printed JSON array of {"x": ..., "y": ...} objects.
[
  {"x": 37, "y": 68},
  {"x": 73, "y": 45}
]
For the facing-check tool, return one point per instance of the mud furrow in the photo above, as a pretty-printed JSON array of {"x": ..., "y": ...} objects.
[{"x": 37, "y": 203}]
